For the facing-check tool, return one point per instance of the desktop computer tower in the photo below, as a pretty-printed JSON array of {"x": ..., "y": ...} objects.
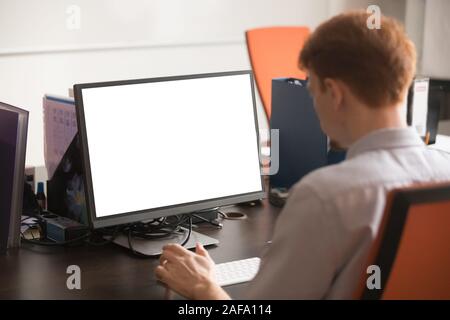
[{"x": 302, "y": 143}]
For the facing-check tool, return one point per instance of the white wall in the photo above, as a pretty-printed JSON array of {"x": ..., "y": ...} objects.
[
  {"x": 426, "y": 23},
  {"x": 414, "y": 23},
  {"x": 409, "y": 12},
  {"x": 124, "y": 39},
  {"x": 436, "y": 39},
  {"x": 120, "y": 39},
  {"x": 145, "y": 22},
  {"x": 394, "y": 8}
]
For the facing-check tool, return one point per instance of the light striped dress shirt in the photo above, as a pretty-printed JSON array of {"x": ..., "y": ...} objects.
[{"x": 323, "y": 234}]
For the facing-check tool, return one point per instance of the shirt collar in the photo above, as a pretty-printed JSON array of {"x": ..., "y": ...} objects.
[{"x": 387, "y": 138}]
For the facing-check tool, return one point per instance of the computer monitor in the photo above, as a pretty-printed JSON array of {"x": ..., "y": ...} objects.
[
  {"x": 13, "y": 139},
  {"x": 167, "y": 146}
]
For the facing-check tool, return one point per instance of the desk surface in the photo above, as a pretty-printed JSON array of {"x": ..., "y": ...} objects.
[
  {"x": 111, "y": 272},
  {"x": 442, "y": 143}
]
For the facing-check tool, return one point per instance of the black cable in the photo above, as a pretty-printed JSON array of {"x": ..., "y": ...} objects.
[
  {"x": 181, "y": 220},
  {"x": 150, "y": 231},
  {"x": 222, "y": 214},
  {"x": 189, "y": 232},
  {"x": 100, "y": 233},
  {"x": 53, "y": 244},
  {"x": 40, "y": 241},
  {"x": 130, "y": 246},
  {"x": 32, "y": 233},
  {"x": 153, "y": 229}
]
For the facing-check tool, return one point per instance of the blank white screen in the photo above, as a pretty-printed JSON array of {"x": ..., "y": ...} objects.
[{"x": 166, "y": 143}]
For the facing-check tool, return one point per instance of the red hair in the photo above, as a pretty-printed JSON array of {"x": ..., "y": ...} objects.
[{"x": 378, "y": 65}]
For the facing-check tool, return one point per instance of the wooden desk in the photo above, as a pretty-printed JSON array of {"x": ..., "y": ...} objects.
[{"x": 111, "y": 272}]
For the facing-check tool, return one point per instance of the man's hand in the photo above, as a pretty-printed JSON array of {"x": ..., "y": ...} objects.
[{"x": 188, "y": 273}]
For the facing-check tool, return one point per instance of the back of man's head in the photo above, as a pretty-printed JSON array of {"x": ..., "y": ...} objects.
[{"x": 378, "y": 65}]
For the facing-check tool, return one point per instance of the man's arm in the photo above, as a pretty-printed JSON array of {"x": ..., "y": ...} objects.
[
  {"x": 302, "y": 259},
  {"x": 300, "y": 263},
  {"x": 189, "y": 274}
]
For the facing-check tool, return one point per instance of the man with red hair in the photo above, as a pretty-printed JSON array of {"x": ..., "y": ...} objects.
[{"x": 358, "y": 78}]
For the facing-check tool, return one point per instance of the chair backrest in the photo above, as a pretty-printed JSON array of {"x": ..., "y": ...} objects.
[
  {"x": 274, "y": 53},
  {"x": 412, "y": 249}
]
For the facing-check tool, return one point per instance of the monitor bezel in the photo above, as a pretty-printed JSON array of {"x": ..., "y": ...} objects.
[
  {"x": 148, "y": 214},
  {"x": 19, "y": 174}
]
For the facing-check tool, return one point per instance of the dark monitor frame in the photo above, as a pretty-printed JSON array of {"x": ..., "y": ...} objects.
[
  {"x": 18, "y": 178},
  {"x": 142, "y": 215}
]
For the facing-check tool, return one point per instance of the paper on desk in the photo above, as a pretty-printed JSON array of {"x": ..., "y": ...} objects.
[
  {"x": 60, "y": 126},
  {"x": 420, "y": 106},
  {"x": 26, "y": 222}
]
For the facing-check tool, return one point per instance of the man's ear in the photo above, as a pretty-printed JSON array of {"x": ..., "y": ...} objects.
[{"x": 336, "y": 92}]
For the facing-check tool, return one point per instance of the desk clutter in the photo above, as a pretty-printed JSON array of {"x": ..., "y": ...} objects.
[
  {"x": 67, "y": 214},
  {"x": 62, "y": 215},
  {"x": 49, "y": 229}
]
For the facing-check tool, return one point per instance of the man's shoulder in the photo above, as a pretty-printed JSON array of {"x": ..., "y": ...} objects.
[
  {"x": 335, "y": 175},
  {"x": 375, "y": 170},
  {"x": 323, "y": 182}
]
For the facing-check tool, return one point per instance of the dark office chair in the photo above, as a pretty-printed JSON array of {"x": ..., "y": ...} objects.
[
  {"x": 413, "y": 246},
  {"x": 274, "y": 53}
]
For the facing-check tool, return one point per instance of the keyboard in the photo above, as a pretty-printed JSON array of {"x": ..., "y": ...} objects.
[{"x": 238, "y": 271}]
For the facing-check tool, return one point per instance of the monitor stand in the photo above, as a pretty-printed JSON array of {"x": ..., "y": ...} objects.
[{"x": 154, "y": 247}]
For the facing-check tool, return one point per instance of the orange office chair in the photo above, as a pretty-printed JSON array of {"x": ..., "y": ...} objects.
[
  {"x": 412, "y": 249},
  {"x": 274, "y": 53}
]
